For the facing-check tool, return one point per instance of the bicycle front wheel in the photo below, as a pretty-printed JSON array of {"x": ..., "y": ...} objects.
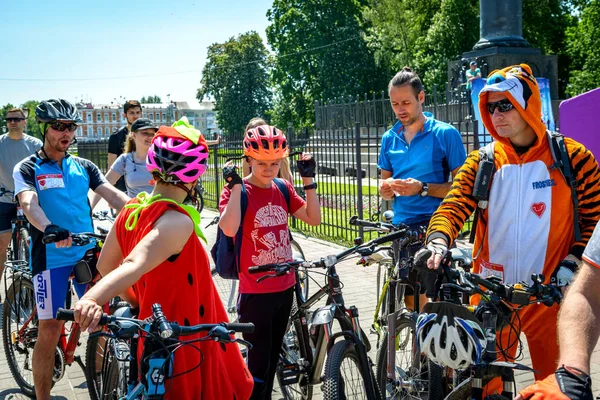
[
  {"x": 344, "y": 376},
  {"x": 411, "y": 370},
  {"x": 19, "y": 332},
  {"x": 301, "y": 274},
  {"x": 228, "y": 292}
]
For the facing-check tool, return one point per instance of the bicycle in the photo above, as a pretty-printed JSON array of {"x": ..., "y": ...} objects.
[
  {"x": 310, "y": 336},
  {"x": 401, "y": 373},
  {"x": 19, "y": 241},
  {"x": 120, "y": 370},
  {"x": 501, "y": 302},
  {"x": 19, "y": 316},
  {"x": 228, "y": 288}
]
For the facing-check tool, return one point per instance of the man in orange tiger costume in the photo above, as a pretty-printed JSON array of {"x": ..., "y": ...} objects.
[{"x": 528, "y": 226}]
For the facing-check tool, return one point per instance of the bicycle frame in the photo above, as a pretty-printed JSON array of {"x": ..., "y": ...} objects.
[{"x": 316, "y": 332}]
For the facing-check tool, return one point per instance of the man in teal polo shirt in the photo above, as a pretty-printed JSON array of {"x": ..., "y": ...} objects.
[{"x": 417, "y": 155}]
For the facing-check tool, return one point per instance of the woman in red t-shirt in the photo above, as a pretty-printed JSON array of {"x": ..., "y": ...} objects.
[
  {"x": 265, "y": 239},
  {"x": 153, "y": 255}
]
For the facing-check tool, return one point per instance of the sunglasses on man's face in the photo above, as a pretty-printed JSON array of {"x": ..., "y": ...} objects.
[
  {"x": 503, "y": 106},
  {"x": 14, "y": 119},
  {"x": 61, "y": 126}
]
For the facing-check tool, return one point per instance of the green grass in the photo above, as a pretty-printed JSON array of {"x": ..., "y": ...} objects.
[{"x": 333, "y": 188}]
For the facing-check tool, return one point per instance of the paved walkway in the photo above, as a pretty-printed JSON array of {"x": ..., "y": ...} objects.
[{"x": 359, "y": 289}]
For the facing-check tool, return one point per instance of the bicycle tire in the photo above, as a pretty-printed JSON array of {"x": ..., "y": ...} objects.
[
  {"x": 115, "y": 372},
  {"x": 20, "y": 303},
  {"x": 22, "y": 250},
  {"x": 302, "y": 274},
  {"x": 95, "y": 352},
  {"x": 415, "y": 383},
  {"x": 228, "y": 292},
  {"x": 292, "y": 350},
  {"x": 335, "y": 380}
]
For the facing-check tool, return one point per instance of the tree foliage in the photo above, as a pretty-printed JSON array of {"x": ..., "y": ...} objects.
[
  {"x": 151, "y": 100},
  {"x": 236, "y": 75},
  {"x": 582, "y": 46},
  {"x": 321, "y": 54}
]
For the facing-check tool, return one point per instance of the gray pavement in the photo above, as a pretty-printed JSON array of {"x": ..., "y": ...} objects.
[{"x": 359, "y": 289}]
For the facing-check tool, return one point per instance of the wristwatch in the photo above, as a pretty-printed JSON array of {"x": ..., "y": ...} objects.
[
  {"x": 311, "y": 186},
  {"x": 424, "y": 190}
]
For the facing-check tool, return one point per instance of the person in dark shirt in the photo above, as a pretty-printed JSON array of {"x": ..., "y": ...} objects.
[{"x": 132, "y": 110}]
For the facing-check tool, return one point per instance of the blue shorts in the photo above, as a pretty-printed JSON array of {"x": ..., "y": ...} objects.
[
  {"x": 8, "y": 212},
  {"x": 50, "y": 288}
]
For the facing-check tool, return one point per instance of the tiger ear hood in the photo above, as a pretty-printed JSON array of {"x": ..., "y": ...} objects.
[{"x": 521, "y": 88}]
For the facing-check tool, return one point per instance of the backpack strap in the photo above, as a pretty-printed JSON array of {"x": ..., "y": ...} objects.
[
  {"x": 563, "y": 163},
  {"x": 284, "y": 190},
  {"x": 286, "y": 193},
  {"x": 481, "y": 186},
  {"x": 237, "y": 245}
]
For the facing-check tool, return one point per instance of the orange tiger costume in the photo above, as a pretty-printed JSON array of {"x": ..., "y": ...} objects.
[{"x": 528, "y": 225}]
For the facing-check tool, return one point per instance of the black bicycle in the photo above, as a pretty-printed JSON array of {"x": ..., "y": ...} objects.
[
  {"x": 310, "y": 337},
  {"x": 18, "y": 249},
  {"x": 120, "y": 368},
  {"x": 498, "y": 308}
]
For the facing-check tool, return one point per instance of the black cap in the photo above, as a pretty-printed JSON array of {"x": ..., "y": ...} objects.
[
  {"x": 473, "y": 63},
  {"x": 143, "y": 123}
]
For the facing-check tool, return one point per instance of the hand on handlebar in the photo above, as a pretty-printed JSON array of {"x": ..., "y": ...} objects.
[
  {"x": 55, "y": 234},
  {"x": 435, "y": 253},
  {"x": 87, "y": 314}
]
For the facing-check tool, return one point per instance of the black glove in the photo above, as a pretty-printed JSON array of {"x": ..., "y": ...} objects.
[
  {"x": 307, "y": 168},
  {"x": 566, "y": 381},
  {"x": 231, "y": 176},
  {"x": 54, "y": 233},
  {"x": 564, "y": 273}
]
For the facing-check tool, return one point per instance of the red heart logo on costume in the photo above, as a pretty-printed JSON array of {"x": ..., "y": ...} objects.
[
  {"x": 538, "y": 209},
  {"x": 43, "y": 182}
]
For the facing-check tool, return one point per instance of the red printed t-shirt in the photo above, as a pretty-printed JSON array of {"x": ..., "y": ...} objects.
[
  {"x": 265, "y": 236},
  {"x": 185, "y": 290}
]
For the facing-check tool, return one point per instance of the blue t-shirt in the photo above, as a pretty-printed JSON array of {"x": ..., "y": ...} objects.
[
  {"x": 431, "y": 156},
  {"x": 62, "y": 192}
]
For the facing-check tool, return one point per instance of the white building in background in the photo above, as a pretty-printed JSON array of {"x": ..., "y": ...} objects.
[{"x": 101, "y": 120}]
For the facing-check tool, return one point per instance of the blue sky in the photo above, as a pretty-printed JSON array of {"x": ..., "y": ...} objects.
[{"x": 63, "y": 39}]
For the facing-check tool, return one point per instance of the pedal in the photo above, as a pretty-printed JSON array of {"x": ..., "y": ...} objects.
[{"x": 290, "y": 374}]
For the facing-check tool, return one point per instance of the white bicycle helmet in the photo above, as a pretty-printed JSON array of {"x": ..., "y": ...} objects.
[{"x": 450, "y": 335}]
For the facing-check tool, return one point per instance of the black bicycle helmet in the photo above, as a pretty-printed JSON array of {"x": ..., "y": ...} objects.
[{"x": 57, "y": 110}]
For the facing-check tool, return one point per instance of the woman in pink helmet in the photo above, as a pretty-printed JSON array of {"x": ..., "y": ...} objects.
[{"x": 153, "y": 255}]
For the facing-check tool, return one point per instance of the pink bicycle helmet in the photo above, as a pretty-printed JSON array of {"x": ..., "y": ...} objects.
[
  {"x": 265, "y": 143},
  {"x": 179, "y": 153}
]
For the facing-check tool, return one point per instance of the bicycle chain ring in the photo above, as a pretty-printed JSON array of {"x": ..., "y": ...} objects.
[{"x": 59, "y": 364}]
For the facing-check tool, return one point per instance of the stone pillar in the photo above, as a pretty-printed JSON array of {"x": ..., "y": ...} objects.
[{"x": 501, "y": 24}]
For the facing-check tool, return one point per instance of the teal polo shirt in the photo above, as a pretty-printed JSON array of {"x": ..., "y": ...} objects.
[{"x": 431, "y": 156}]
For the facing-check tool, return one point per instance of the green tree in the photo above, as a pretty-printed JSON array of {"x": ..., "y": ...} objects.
[
  {"x": 151, "y": 100},
  {"x": 33, "y": 128},
  {"x": 582, "y": 46},
  {"x": 321, "y": 53},
  {"x": 236, "y": 75},
  {"x": 3, "y": 111},
  {"x": 453, "y": 30}
]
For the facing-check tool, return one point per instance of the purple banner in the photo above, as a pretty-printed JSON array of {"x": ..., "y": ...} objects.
[{"x": 578, "y": 120}]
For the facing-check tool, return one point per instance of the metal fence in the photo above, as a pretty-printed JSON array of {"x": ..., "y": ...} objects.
[{"x": 345, "y": 142}]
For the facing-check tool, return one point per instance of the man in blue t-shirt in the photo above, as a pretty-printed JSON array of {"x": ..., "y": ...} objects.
[
  {"x": 52, "y": 187},
  {"x": 417, "y": 155}
]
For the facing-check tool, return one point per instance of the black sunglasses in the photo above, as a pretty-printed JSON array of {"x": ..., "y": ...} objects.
[
  {"x": 14, "y": 119},
  {"x": 61, "y": 126},
  {"x": 503, "y": 106}
]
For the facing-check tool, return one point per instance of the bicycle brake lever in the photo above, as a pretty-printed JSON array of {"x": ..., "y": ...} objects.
[
  {"x": 242, "y": 341},
  {"x": 262, "y": 278}
]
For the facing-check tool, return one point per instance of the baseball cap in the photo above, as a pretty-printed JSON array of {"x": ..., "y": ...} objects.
[{"x": 143, "y": 123}]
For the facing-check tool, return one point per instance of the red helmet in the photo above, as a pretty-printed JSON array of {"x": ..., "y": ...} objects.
[{"x": 265, "y": 143}]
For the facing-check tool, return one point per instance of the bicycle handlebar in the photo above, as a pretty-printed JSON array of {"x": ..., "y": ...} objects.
[
  {"x": 79, "y": 239},
  {"x": 177, "y": 330},
  {"x": 518, "y": 293}
]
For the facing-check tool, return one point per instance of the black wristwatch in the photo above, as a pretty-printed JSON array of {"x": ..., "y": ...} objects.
[
  {"x": 424, "y": 190},
  {"x": 311, "y": 186}
]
